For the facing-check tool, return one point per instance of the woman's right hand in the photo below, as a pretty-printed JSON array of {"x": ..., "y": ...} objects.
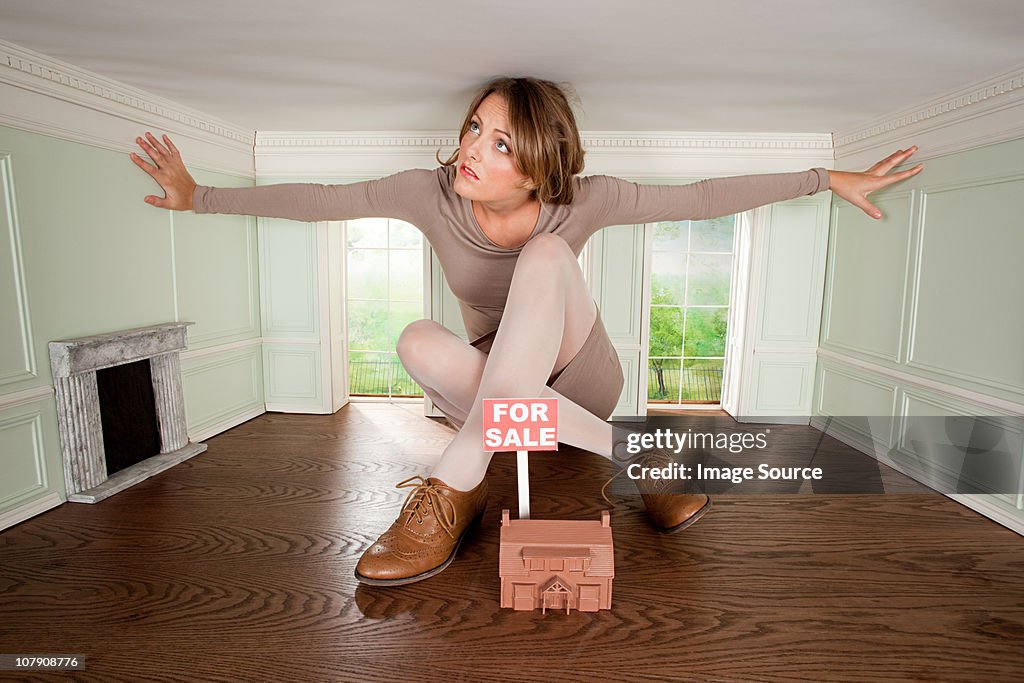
[{"x": 168, "y": 170}]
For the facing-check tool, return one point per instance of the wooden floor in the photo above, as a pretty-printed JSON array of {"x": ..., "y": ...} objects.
[{"x": 237, "y": 566}]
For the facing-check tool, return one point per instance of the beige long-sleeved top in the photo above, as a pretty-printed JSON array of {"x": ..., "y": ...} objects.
[{"x": 479, "y": 271}]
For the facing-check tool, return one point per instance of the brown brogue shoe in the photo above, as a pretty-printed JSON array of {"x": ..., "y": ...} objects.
[
  {"x": 671, "y": 512},
  {"x": 426, "y": 536},
  {"x": 669, "y": 507}
]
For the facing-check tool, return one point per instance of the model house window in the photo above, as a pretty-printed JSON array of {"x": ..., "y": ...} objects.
[
  {"x": 384, "y": 293},
  {"x": 536, "y": 563},
  {"x": 690, "y": 276}
]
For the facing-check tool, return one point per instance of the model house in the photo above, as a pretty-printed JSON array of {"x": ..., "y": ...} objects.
[{"x": 556, "y": 564}]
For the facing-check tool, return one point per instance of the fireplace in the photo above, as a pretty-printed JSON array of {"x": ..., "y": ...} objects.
[{"x": 120, "y": 408}]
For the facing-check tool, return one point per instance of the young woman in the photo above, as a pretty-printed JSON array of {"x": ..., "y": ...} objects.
[{"x": 507, "y": 216}]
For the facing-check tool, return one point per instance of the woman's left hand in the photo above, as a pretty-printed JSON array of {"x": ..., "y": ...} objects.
[{"x": 855, "y": 187}]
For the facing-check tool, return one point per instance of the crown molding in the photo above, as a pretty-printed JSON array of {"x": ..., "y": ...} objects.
[
  {"x": 638, "y": 154},
  {"x": 796, "y": 143},
  {"x": 45, "y": 95},
  {"x": 270, "y": 141},
  {"x": 983, "y": 113}
]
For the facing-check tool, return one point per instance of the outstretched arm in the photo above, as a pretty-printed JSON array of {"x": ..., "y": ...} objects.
[
  {"x": 405, "y": 195},
  {"x": 618, "y": 202}
]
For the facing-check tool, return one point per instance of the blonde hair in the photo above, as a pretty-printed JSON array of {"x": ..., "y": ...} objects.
[{"x": 545, "y": 141}]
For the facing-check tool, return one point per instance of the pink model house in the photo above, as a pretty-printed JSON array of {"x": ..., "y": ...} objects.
[{"x": 556, "y": 564}]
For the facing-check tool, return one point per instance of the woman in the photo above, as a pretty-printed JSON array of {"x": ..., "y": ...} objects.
[{"x": 507, "y": 216}]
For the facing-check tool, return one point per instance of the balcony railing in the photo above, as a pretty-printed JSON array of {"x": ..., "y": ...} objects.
[
  {"x": 371, "y": 378},
  {"x": 698, "y": 384}
]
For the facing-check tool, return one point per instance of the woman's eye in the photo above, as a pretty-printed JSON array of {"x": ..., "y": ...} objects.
[
  {"x": 473, "y": 126},
  {"x": 502, "y": 147}
]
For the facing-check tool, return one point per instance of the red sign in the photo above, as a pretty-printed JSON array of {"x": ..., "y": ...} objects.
[{"x": 520, "y": 424}]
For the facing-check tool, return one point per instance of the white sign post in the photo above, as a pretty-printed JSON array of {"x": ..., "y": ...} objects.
[{"x": 523, "y": 425}]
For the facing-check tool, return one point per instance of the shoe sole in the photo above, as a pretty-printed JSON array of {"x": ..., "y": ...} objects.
[
  {"x": 689, "y": 521},
  {"x": 430, "y": 572}
]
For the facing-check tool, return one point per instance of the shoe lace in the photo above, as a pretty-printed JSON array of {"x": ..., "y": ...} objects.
[
  {"x": 425, "y": 497},
  {"x": 645, "y": 459}
]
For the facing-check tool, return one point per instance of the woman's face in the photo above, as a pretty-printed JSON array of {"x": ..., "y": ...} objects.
[{"x": 486, "y": 170}]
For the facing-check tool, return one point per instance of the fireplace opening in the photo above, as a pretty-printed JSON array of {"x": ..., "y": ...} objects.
[{"x": 131, "y": 432}]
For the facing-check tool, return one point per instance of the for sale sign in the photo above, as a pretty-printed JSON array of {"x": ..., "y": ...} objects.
[{"x": 529, "y": 424}]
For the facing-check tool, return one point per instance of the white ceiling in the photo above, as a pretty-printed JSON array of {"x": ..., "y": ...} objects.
[{"x": 668, "y": 65}]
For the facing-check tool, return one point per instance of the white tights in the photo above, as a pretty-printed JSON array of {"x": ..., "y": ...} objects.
[{"x": 548, "y": 316}]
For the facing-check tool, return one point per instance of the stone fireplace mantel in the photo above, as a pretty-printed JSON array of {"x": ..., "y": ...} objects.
[{"x": 74, "y": 363}]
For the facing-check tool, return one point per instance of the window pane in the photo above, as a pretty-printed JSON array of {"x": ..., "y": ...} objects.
[
  {"x": 666, "y": 338},
  {"x": 368, "y": 326},
  {"x": 671, "y": 236},
  {"x": 702, "y": 380},
  {"x": 404, "y": 234},
  {"x": 709, "y": 279},
  {"x": 367, "y": 274},
  {"x": 715, "y": 234},
  {"x": 403, "y": 313},
  {"x": 663, "y": 379},
  {"x": 668, "y": 282},
  {"x": 407, "y": 275},
  {"x": 368, "y": 372},
  {"x": 368, "y": 232},
  {"x": 705, "y": 332}
]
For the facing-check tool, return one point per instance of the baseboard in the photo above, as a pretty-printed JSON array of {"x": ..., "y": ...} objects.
[{"x": 28, "y": 510}]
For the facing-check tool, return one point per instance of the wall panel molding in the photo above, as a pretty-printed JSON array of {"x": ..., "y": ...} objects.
[
  {"x": 20, "y": 398},
  {"x": 783, "y": 386},
  {"x": 911, "y": 380},
  {"x": 627, "y": 405},
  {"x": 293, "y": 378},
  {"x": 21, "y": 365},
  {"x": 620, "y": 299},
  {"x": 194, "y": 354},
  {"x": 24, "y": 430},
  {"x": 288, "y": 258},
  {"x": 913, "y": 355},
  {"x": 770, "y": 328},
  {"x": 234, "y": 376},
  {"x": 882, "y": 421},
  {"x": 828, "y": 338},
  {"x": 941, "y": 461},
  {"x": 252, "y": 326}
]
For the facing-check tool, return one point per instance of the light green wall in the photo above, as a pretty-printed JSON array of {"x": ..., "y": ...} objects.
[
  {"x": 926, "y": 303},
  {"x": 92, "y": 257},
  {"x": 933, "y": 289}
]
